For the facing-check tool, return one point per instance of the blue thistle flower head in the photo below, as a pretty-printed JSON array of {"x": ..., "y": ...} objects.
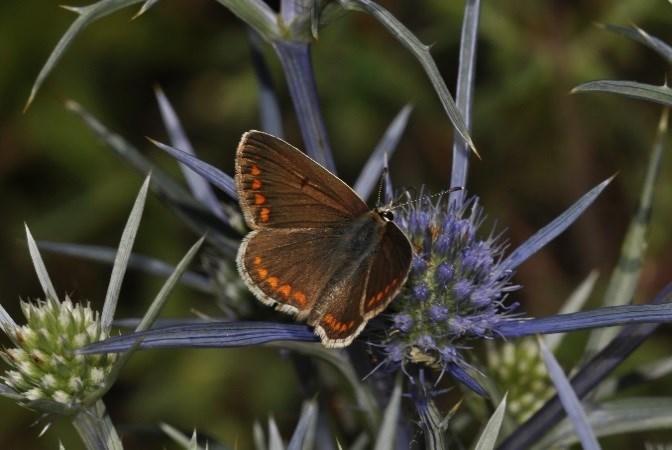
[{"x": 455, "y": 288}]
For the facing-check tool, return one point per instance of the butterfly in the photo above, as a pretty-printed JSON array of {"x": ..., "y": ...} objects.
[{"x": 316, "y": 250}]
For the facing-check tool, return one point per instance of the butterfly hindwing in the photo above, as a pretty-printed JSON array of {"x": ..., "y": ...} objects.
[
  {"x": 374, "y": 275},
  {"x": 389, "y": 270},
  {"x": 340, "y": 317},
  {"x": 280, "y": 187},
  {"x": 286, "y": 267}
]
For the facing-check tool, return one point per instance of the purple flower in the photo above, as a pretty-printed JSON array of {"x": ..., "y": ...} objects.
[
  {"x": 449, "y": 354},
  {"x": 462, "y": 289},
  {"x": 425, "y": 342},
  {"x": 444, "y": 274},
  {"x": 438, "y": 313},
  {"x": 443, "y": 244},
  {"x": 403, "y": 322},
  {"x": 421, "y": 292},
  {"x": 418, "y": 264},
  {"x": 463, "y": 301},
  {"x": 395, "y": 352}
]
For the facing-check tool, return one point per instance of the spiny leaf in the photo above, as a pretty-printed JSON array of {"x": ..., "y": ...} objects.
[
  {"x": 40, "y": 268},
  {"x": 422, "y": 54},
  {"x": 256, "y": 14},
  {"x": 569, "y": 399},
  {"x": 157, "y": 304},
  {"x": 96, "y": 429},
  {"x": 306, "y": 426},
  {"x": 258, "y": 436},
  {"x": 133, "y": 156},
  {"x": 215, "y": 176},
  {"x": 624, "y": 278},
  {"x": 8, "y": 392},
  {"x": 200, "y": 188},
  {"x": 137, "y": 261},
  {"x": 340, "y": 361},
  {"x": 87, "y": 15},
  {"x": 488, "y": 437},
  {"x": 370, "y": 174},
  {"x": 639, "y": 35},
  {"x": 145, "y": 7},
  {"x": 274, "y": 438},
  {"x": 297, "y": 66},
  {"x": 614, "y": 417},
  {"x": 7, "y": 324},
  {"x": 180, "y": 438},
  {"x": 269, "y": 107},
  {"x": 464, "y": 92},
  {"x": 123, "y": 255},
  {"x": 433, "y": 425},
  {"x": 585, "y": 320},
  {"x": 388, "y": 430},
  {"x": 641, "y": 91},
  {"x": 542, "y": 237},
  {"x": 205, "y": 335}
]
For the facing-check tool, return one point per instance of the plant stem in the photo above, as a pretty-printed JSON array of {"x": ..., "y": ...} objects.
[
  {"x": 296, "y": 63},
  {"x": 96, "y": 429}
]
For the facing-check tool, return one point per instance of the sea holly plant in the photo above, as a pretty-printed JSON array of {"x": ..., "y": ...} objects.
[
  {"x": 461, "y": 290},
  {"x": 46, "y": 373}
]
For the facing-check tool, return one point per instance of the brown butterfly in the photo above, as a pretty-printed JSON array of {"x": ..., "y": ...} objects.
[{"x": 315, "y": 250}]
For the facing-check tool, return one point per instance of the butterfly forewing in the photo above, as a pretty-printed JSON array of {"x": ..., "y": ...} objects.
[{"x": 280, "y": 187}]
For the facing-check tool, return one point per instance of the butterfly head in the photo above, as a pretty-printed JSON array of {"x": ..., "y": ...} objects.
[{"x": 385, "y": 213}]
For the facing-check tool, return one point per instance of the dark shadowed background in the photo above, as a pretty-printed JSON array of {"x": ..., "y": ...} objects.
[{"x": 542, "y": 148}]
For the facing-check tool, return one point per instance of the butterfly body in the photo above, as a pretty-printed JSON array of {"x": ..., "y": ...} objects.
[{"x": 316, "y": 250}]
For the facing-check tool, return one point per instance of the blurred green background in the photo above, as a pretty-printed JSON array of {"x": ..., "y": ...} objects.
[{"x": 542, "y": 148}]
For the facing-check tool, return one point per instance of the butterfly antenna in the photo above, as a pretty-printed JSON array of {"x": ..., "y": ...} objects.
[
  {"x": 446, "y": 191},
  {"x": 381, "y": 183}
]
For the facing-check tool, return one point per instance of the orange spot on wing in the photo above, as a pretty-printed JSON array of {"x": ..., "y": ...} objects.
[
  {"x": 257, "y": 260},
  {"x": 336, "y": 325},
  {"x": 300, "y": 298},
  {"x": 376, "y": 298},
  {"x": 256, "y": 184},
  {"x": 254, "y": 170},
  {"x": 285, "y": 289},
  {"x": 263, "y": 273},
  {"x": 264, "y": 214},
  {"x": 259, "y": 199},
  {"x": 273, "y": 281}
]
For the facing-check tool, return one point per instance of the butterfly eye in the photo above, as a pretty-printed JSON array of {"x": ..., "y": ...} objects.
[{"x": 387, "y": 215}]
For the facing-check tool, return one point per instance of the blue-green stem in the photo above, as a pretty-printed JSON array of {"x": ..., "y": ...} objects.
[
  {"x": 96, "y": 429},
  {"x": 296, "y": 63},
  {"x": 464, "y": 95}
]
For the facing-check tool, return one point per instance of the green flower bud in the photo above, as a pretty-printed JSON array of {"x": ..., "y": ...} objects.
[
  {"x": 517, "y": 366},
  {"x": 45, "y": 366}
]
